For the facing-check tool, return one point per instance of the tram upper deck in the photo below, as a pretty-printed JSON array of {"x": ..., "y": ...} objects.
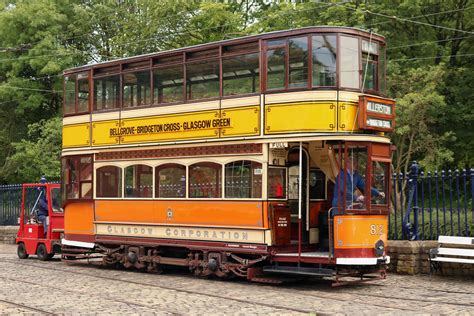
[{"x": 304, "y": 82}]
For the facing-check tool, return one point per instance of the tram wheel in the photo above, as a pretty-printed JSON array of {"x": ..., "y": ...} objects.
[
  {"x": 42, "y": 253},
  {"x": 21, "y": 251}
]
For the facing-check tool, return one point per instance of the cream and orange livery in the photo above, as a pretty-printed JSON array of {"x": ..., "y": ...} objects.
[{"x": 223, "y": 157}]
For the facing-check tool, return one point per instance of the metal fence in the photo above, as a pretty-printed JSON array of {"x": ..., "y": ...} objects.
[
  {"x": 10, "y": 204},
  {"x": 425, "y": 205}
]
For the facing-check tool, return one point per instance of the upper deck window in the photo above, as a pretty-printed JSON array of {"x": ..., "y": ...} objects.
[
  {"x": 168, "y": 83},
  {"x": 70, "y": 94},
  {"x": 349, "y": 73},
  {"x": 136, "y": 89},
  {"x": 276, "y": 68},
  {"x": 240, "y": 74},
  {"x": 202, "y": 79},
  {"x": 370, "y": 52},
  {"x": 298, "y": 67},
  {"x": 76, "y": 93},
  {"x": 287, "y": 63},
  {"x": 324, "y": 60},
  {"x": 82, "y": 92},
  {"x": 107, "y": 93}
]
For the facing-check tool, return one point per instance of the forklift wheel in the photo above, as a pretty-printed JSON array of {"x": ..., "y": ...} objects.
[
  {"x": 42, "y": 253},
  {"x": 21, "y": 251}
]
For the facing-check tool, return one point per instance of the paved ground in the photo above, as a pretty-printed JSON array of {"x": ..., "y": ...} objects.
[{"x": 31, "y": 286}]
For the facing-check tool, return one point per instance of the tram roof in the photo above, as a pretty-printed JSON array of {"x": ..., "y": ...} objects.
[{"x": 239, "y": 40}]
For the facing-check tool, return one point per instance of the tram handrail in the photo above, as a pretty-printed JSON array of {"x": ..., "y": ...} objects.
[{"x": 330, "y": 232}]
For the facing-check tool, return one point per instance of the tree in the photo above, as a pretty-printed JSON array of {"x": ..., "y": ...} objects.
[
  {"x": 39, "y": 155},
  {"x": 420, "y": 107}
]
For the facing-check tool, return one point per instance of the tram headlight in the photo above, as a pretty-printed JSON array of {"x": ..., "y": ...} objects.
[{"x": 379, "y": 248}]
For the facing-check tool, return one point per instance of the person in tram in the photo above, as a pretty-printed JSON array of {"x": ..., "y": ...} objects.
[
  {"x": 354, "y": 185},
  {"x": 43, "y": 206}
]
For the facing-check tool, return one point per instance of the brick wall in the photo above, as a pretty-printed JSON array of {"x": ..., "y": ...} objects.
[
  {"x": 412, "y": 257},
  {"x": 8, "y": 234}
]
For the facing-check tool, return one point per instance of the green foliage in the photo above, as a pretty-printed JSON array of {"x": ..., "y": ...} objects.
[
  {"x": 420, "y": 106},
  {"x": 41, "y": 155}
]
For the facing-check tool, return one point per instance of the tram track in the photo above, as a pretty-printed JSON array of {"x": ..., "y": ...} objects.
[
  {"x": 29, "y": 308},
  {"x": 277, "y": 307},
  {"x": 95, "y": 295},
  {"x": 331, "y": 295}
]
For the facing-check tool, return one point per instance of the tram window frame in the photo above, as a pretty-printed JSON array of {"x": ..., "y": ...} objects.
[
  {"x": 74, "y": 108},
  {"x": 386, "y": 189},
  {"x": 80, "y": 178},
  {"x": 355, "y": 58},
  {"x": 314, "y": 55},
  {"x": 255, "y": 76},
  {"x": 382, "y": 73},
  {"x": 119, "y": 181},
  {"x": 325, "y": 179},
  {"x": 156, "y": 97},
  {"x": 255, "y": 191},
  {"x": 147, "y": 94},
  {"x": 370, "y": 56},
  {"x": 137, "y": 172},
  {"x": 118, "y": 97},
  {"x": 202, "y": 65},
  {"x": 283, "y": 43},
  {"x": 219, "y": 183},
  {"x": 285, "y": 186},
  {"x": 159, "y": 168}
]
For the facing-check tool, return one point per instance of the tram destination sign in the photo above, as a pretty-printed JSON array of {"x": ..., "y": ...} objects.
[{"x": 377, "y": 114}]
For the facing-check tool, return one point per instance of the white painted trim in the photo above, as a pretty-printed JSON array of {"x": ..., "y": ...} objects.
[
  {"x": 456, "y": 252},
  {"x": 457, "y": 260},
  {"x": 456, "y": 240},
  {"x": 77, "y": 243},
  {"x": 356, "y": 261}
]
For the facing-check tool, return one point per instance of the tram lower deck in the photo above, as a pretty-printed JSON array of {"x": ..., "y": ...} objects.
[{"x": 247, "y": 214}]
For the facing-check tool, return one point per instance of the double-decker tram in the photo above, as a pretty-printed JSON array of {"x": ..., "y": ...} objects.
[{"x": 250, "y": 157}]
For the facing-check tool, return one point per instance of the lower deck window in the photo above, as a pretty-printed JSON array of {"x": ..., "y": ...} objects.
[
  {"x": 109, "y": 182},
  {"x": 138, "y": 181},
  {"x": 170, "y": 181},
  {"x": 276, "y": 183},
  {"x": 205, "y": 180},
  {"x": 243, "y": 179}
]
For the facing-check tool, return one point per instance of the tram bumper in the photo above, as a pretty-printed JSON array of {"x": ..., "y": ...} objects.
[{"x": 363, "y": 261}]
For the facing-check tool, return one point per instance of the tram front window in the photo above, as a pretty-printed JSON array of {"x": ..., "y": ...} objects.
[
  {"x": 349, "y": 188},
  {"x": 379, "y": 182}
]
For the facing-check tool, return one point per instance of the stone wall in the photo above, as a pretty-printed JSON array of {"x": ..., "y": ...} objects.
[
  {"x": 412, "y": 257},
  {"x": 8, "y": 234}
]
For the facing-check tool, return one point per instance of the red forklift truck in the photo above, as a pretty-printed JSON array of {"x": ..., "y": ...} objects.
[{"x": 31, "y": 237}]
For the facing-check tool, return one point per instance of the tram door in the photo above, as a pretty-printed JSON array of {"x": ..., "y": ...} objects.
[{"x": 293, "y": 193}]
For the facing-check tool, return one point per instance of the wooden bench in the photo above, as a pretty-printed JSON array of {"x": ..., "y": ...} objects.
[{"x": 452, "y": 249}]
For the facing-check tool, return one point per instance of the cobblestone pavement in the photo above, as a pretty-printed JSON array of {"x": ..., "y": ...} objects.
[{"x": 31, "y": 286}]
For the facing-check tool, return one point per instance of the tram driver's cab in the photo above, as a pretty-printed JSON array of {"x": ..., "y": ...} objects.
[{"x": 342, "y": 184}]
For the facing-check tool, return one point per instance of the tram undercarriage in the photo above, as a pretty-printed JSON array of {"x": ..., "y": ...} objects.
[{"x": 271, "y": 267}]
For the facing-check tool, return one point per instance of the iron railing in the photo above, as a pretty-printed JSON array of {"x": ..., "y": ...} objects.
[
  {"x": 425, "y": 205},
  {"x": 10, "y": 204}
]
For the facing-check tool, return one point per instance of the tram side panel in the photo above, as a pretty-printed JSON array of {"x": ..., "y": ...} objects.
[
  {"x": 360, "y": 236},
  {"x": 79, "y": 221}
]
